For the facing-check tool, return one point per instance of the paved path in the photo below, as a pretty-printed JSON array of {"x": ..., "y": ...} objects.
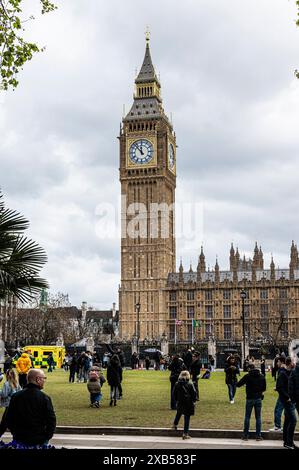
[{"x": 72, "y": 441}]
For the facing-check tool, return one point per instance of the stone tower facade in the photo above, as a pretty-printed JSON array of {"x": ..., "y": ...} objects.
[{"x": 148, "y": 180}]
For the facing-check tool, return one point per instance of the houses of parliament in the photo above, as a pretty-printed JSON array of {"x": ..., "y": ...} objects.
[{"x": 194, "y": 304}]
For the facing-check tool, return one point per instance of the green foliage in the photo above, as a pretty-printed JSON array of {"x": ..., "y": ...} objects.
[
  {"x": 14, "y": 50},
  {"x": 20, "y": 258}
]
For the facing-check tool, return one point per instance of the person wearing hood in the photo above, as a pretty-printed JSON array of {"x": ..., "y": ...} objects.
[
  {"x": 185, "y": 396},
  {"x": 255, "y": 386},
  {"x": 282, "y": 386},
  {"x": 23, "y": 365}
]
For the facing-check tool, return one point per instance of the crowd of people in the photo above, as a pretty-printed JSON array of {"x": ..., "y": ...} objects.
[{"x": 29, "y": 414}]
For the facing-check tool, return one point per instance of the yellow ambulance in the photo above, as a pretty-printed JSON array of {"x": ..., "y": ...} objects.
[{"x": 39, "y": 355}]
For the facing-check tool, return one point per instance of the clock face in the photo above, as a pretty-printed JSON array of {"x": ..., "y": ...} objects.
[
  {"x": 171, "y": 156},
  {"x": 141, "y": 152}
]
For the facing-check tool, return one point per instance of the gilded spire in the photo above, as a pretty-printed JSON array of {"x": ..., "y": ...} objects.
[{"x": 147, "y": 72}]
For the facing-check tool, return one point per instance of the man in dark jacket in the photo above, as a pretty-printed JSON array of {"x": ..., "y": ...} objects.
[
  {"x": 188, "y": 359},
  {"x": 255, "y": 386},
  {"x": 282, "y": 387},
  {"x": 30, "y": 416}
]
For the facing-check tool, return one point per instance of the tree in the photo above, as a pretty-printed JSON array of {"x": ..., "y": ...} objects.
[
  {"x": 14, "y": 50},
  {"x": 20, "y": 258}
]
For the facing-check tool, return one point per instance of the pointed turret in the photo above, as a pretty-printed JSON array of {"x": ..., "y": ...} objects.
[
  {"x": 201, "y": 262},
  {"x": 147, "y": 97},
  {"x": 238, "y": 259},
  {"x": 147, "y": 72},
  {"x": 190, "y": 270},
  {"x": 232, "y": 258},
  {"x": 181, "y": 272},
  {"x": 256, "y": 257},
  {"x": 261, "y": 258},
  {"x": 217, "y": 272},
  {"x": 272, "y": 268}
]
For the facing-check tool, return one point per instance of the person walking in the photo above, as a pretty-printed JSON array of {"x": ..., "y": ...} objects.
[
  {"x": 263, "y": 366},
  {"x": 134, "y": 360},
  {"x": 114, "y": 378},
  {"x": 185, "y": 396},
  {"x": 73, "y": 363},
  {"x": 212, "y": 363},
  {"x": 23, "y": 365},
  {"x": 86, "y": 365},
  {"x": 30, "y": 416},
  {"x": 10, "y": 387},
  {"x": 282, "y": 387},
  {"x": 255, "y": 386},
  {"x": 195, "y": 369},
  {"x": 278, "y": 410},
  {"x": 188, "y": 359},
  {"x": 231, "y": 371},
  {"x": 147, "y": 362},
  {"x": 50, "y": 362},
  {"x": 176, "y": 366}
]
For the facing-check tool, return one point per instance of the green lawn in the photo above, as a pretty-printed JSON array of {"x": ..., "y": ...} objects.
[{"x": 146, "y": 402}]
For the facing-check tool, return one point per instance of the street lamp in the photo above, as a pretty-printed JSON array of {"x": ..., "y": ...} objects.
[
  {"x": 243, "y": 297},
  {"x": 137, "y": 306}
]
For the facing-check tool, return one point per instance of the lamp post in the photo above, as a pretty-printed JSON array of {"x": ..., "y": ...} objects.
[
  {"x": 137, "y": 306},
  {"x": 243, "y": 297}
]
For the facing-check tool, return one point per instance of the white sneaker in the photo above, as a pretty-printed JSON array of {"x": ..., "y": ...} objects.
[
  {"x": 276, "y": 429},
  {"x": 232, "y": 402}
]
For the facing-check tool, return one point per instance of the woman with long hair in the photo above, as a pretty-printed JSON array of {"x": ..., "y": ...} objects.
[
  {"x": 114, "y": 378},
  {"x": 10, "y": 387}
]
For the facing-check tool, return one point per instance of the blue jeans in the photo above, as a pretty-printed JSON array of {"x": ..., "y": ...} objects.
[
  {"x": 277, "y": 413},
  {"x": 255, "y": 403},
  {"x": 290, "y": 421},
  {"x": 231, "y": 390},
  {"x": 94, "y": 397},
  {"x": 186, "y": 421}
]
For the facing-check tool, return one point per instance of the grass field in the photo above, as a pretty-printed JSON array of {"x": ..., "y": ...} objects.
[{"x": 146, "y": 402}]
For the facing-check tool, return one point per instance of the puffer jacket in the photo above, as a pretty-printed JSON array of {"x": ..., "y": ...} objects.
[
  {"x": 94, "y": 386},
  {"x": 6, "y": 393},
  {"x": 23, "y": 364}
]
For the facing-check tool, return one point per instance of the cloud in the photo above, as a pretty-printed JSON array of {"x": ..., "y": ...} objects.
[{"x": 227, "y": 78}]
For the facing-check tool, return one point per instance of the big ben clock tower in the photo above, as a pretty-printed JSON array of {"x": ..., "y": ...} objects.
[{"x": 148, "y": 180}]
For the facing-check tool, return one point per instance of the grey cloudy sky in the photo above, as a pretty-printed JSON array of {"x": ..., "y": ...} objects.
[{"x": 227, "y": 73}]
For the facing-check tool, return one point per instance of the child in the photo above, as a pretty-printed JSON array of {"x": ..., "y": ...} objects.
[{"x": 94, "y": 386}]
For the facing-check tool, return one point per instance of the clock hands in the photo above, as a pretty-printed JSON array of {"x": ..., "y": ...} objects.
[{"x": 140, "y": 150}]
